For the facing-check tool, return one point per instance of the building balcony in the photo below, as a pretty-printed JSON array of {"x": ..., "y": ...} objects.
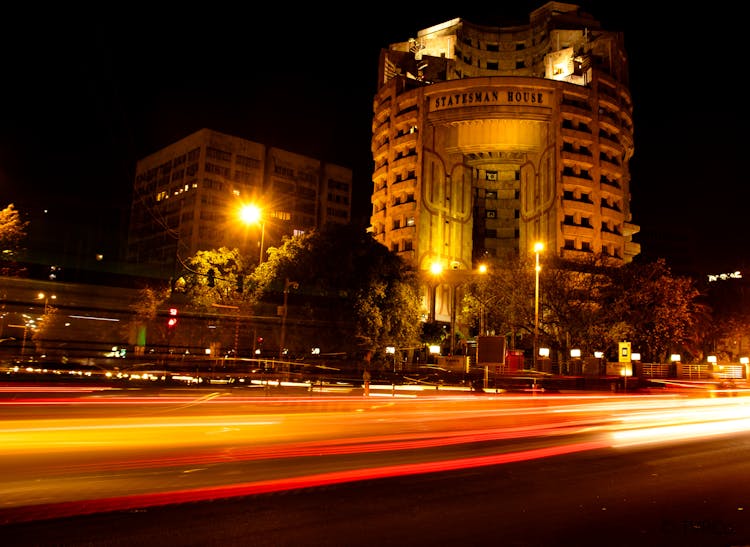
[
  {"x": 612, "y": 215},
  {"x": 586, "y": 161},
  {"x": 402, "y": 232},
  {"x": 404, "y": 207},
  {"x": 381, "y": 171},
  {"x": 574, "y": 230},
  {"x": 577, "y": 134},
  {"x": 571, "y": 206},
  {"x": 575, "y": 181},
  {"x": 629, "y": 229},
  {"x": 611, "y": 238},
  {"x": 579, "y": 109},
  {"x": 407, "y": 139}
]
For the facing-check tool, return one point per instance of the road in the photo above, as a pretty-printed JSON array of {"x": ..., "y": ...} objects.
[{"x": 120, "y": 467}]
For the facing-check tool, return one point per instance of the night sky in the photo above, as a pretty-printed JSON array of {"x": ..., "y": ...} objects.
[{"x": 84, "y": 97}]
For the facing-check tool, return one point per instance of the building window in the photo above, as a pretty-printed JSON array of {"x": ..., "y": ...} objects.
[
  {"x": 244, "y": 161},
  {"x": 217, "y": 169},
  {"x": 490, "y": 213},
  {"x": 216, "y": 154},
  {"x": 490, "y": 175},
  {"x": 490, "y": 194}
]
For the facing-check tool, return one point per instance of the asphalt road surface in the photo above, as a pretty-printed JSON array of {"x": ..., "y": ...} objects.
[
  {"x": 683, "y": 494},
  {"x": 126, "y": 469}
]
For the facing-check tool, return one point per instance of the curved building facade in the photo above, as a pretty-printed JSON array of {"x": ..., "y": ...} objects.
[{"x": 486, "y": 140}]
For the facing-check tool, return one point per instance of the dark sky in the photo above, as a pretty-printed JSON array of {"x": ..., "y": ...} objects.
[{"x": 83, "y": 97}]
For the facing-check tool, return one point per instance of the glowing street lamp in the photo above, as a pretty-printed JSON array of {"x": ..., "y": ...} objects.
[
  {"x": 42, "y": 296},
  {"x": 538, "y": 248},
  {"x": 252, "y": 214}
]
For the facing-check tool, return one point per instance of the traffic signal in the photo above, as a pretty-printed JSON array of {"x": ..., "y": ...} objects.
[
  {"x": 240, "y": 283},
  {"x": 211, "y": 277},
  {"x": 172, "y": 320}
]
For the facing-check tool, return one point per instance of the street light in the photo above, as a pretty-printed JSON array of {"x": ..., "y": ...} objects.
[
  {"x": 538, "y": 248},
  {"x": 287, "y": 285},
  {"x": 42, "y": 296},
  {"x": 252, "y": 214}
]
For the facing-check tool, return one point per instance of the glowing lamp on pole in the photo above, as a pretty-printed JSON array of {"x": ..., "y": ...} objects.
[{"x": 252, "y": 214}]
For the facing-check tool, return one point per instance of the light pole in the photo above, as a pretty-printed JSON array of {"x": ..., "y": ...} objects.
[
  {"x": 252, "y": 214},
  {"x": 42, "y": 296},
  {"x": 287, "y": 285},
  {"x": 538, "y": 248}
]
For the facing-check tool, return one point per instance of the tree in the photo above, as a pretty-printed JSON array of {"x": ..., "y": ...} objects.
[
  {"x": 146, "y": 312},
  {"x": 12, "y": 234},
  {"x": 573, "y": 306},
  {"x": 213, "y": 277},
  {"x": 502, "y": 300},
  {"x": 45, "y": 327},
  {"x": 344, "y": 273},
  {"x": 664, "y": 311}
]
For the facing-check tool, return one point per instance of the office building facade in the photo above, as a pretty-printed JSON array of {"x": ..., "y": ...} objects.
[
  {"x": 486, "y": 140},
  {"x": 187, "y": 197}
]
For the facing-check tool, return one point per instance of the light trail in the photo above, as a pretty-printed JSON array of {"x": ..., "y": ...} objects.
[
  {"x": 103, "y": 451},
  {"x": 84, "y": 507}
]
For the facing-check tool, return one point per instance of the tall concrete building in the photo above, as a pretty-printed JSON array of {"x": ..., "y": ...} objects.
[
  {"x": 187, "y": 198},
  {"x": 486, "y": 140}
]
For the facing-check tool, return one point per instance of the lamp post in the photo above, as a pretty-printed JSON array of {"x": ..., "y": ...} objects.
[
  {"x": 42, "y": 296},
  {"x": 252, "y": 214},
  {"x": 538, "y": 248},
  {"x": 287, "y": 285}
]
